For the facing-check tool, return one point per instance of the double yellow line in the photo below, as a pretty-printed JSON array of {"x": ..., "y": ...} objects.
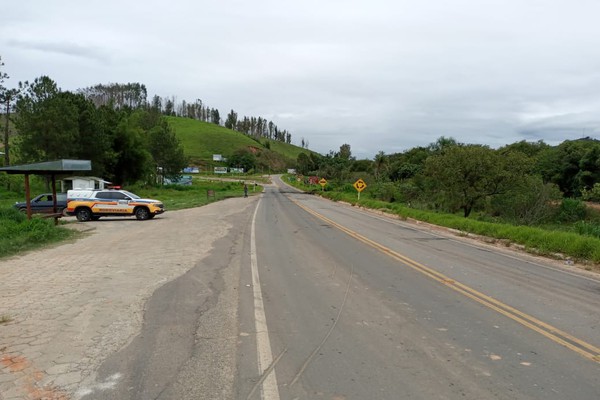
[{"x": 579, "y": 346}]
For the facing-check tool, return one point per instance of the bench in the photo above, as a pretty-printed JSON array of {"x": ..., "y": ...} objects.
[{"x": 56, "y": 216}]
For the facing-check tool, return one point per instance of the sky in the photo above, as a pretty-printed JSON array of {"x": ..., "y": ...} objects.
[{"x": 380, "y": 75}]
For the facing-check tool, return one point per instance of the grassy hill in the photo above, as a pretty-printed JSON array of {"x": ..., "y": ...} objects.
[{"x": 201, "y": 140}]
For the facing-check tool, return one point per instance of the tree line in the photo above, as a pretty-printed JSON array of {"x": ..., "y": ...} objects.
[
  {"x": 134, "y": 95},
  {"x": 114, "y": 125},
  {"x": 520, "y": 182},
  {"x": 126, "y": 140}
]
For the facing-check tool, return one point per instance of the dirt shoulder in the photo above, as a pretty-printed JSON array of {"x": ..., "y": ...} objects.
[{"x": 67, "y": 307}]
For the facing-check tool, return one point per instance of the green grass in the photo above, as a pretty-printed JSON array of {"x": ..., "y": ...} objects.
[
  {"x": 17, "y": 234},
  {"x": 287, "y": 150},
  {"x": 583, "y": 247},
  {"x": 201, "y": 140},
  {"x": 177, "y": 197}
]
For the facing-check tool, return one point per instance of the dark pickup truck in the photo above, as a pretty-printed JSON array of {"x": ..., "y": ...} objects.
[{"x": 44, "y": 204}]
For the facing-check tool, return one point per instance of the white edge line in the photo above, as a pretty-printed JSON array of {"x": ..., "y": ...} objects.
[{"x": 269, "y": 390}]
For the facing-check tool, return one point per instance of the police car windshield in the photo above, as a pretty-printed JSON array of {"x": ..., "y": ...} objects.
[{"x": 133, "y": 196}]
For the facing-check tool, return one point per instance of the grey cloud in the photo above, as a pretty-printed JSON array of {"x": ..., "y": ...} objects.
[{"x": 61, "y": 48}]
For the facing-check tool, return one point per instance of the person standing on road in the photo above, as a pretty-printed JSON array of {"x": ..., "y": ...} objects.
[{"x": 245, "y": 190}]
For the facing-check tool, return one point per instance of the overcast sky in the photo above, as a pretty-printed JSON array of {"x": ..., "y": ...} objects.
[{"x": 380, "y": 75}]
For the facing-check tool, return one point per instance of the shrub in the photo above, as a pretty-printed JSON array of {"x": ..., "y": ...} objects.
[
  {"x": 385, "y": 191},
  {"x": 571, "y": 210},
  {"x": 587, "y": 228},
  {"x": 12, "y": 214},
  {"x": 528, "y": 203},
  {"x": 592, "y": 194}
]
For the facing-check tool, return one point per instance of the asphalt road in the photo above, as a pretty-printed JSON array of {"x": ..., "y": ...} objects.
[{"x": 310, "y": 299}]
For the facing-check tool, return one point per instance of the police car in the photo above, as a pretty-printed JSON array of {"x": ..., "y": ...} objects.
[{"x": 91, "y": 204}]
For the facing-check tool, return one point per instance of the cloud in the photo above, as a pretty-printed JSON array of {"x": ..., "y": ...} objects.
[
  {"x": 61, "y": 48},
  {"x": 377, "y": 74}
]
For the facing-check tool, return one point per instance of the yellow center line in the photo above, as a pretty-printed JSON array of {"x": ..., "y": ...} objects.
[{"x": 565, "y": 339}]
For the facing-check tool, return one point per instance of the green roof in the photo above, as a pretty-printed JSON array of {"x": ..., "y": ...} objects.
[{"x": 50, "y": 167}]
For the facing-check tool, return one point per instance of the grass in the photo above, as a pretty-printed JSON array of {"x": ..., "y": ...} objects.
[
  {"x": 200, "y": 140},
  {"x": 582, "y": 246},
  {"x": 287, "y": 150},
  {"x": 177, "y": 197},
  {"x": 17, "y": 234}
]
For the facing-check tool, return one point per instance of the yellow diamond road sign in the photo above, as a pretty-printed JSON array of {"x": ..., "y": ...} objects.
[
  {"x": 323, "y": 182},
  {"x": 360, "y": 185}
]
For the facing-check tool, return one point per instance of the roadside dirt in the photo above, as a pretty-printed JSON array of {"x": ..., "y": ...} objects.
[{"x": 67, "y": 307}]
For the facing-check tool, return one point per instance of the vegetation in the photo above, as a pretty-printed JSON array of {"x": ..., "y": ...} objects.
[
  {"x": 201, "y": 140},
  {"x": 525, "y": 193},
  {"x": 177, "y": 197},
  {"x": 529, "y": 193},
  {"x": 582, "y": 243},
  {"x": 17, "y": 234}
]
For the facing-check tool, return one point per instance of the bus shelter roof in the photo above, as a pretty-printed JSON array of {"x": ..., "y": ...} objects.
[{"x": 50, "y": 167}]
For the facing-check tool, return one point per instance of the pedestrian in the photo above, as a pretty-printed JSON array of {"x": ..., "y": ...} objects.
[{"x": 245, "y": 190}]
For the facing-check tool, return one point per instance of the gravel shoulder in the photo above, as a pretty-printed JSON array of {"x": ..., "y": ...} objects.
[{"x": 70, "y": 306}]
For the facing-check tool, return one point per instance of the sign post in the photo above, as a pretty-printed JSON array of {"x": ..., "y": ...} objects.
[
  {"x": 359, "y": 185},
  {"x": 323, "y": 182}
]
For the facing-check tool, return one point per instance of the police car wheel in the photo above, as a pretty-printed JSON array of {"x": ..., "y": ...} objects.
[
  {"x": 142, "y": 213},
  {"x": 83, "y": 215}
]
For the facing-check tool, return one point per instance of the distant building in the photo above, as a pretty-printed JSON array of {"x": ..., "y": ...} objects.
[
  {"x": 82, "y": 182},
  {"x": 191, "y": 170}
]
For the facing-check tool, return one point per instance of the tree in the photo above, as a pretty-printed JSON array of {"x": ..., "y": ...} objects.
[
  {"x": 231, "y": 120},
  {"x": 407, "y": 164},
  {"x": 242, "y": 159},
  {"x": 7, "y": 99},
  {"x": 345, "y": 152},
  {"x": 570, "y": 165},
  {"x": 214, "y": 116},
  {"x": 169, "y": 107},
  {"x": 441, "y": 144},
  {"x": 461, "y": 176},
  {"x": 133, "y": 159},
  {"x": 304, "y": 164},
  {"x": 529, "y": 201},
  {"x": 380, "y": 164},
  {"x": 47, "y": 121},
  {"x": 530, "y": 149},
  {"x": 166, "y": 149}
]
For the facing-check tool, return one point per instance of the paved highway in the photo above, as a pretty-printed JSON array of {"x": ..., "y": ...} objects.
[
  {"x": 331, "y": 302},
  {"x": 359, "y": 306}
]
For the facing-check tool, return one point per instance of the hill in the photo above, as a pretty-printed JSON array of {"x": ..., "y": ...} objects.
[{"x": 200, "y": 140}]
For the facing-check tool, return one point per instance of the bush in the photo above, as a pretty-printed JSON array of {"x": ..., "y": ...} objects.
[
  {"x": 571, "y": 210},
  {"x": 385, "y": 191},
  {"x": 592, "y": 194},
  {"x": 12, "y": 214},
  {"x": 587, "y": 228},
  {"x": 528, "y": 203},
  {"x": 17, "y": 233}
]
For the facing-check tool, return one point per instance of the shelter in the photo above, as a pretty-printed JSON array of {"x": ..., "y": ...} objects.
[
  {"x": 82, "y": 182},
  {"x": 50, "y": 168}
]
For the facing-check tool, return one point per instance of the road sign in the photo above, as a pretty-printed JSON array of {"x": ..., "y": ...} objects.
[
  {"x": 323, "y": 182},
  {"x": 360, "y": 185}
]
